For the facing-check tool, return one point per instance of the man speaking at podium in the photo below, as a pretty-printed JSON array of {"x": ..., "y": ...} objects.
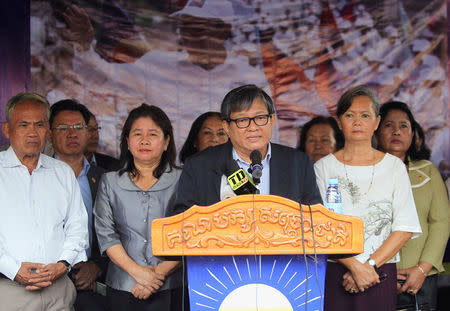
[{"x": 248, "y": 117}]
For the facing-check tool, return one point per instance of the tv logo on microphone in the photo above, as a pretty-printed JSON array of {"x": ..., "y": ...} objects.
[{"x": 237, "y": 179}]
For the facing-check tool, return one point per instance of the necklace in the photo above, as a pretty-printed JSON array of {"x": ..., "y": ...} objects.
[{"x": 354, "y": 189}]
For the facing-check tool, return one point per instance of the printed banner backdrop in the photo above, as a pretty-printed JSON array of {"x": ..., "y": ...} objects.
[{"x": 113, "y": 55}]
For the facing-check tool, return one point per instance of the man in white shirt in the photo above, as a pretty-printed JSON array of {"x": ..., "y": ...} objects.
[{"x": 44, "y": 222}]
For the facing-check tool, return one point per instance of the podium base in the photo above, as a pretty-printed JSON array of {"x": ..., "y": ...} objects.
[{"x": 257, "y": 282}]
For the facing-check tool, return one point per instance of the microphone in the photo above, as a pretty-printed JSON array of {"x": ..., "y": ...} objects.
[
  {"x": 238, "y": 179},
  {"x": 256, "y": 167}
]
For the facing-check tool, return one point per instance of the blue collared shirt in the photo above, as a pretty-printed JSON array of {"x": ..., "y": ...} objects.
[
  {"x": 264, "y": 185},
  {"x": 85, "y": 189}
]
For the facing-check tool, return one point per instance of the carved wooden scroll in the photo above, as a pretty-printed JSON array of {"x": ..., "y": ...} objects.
[{"x": 257, "y": 224}]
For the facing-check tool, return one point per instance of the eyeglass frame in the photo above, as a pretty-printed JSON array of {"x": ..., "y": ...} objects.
[
  {"x": 65, "y": 127},
  {"x": 268, "y": 115},
  {"x": 94, "y": 128}
]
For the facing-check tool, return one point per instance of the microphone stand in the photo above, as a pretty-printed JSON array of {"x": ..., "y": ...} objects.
[{"x": 255, "y": 180}]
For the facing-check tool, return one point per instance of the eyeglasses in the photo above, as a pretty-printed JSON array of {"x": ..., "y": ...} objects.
[
  {"x": 92, "y": 129},
  {"x": 243, "y": 123},
  {"x": 65, "y": 127}
]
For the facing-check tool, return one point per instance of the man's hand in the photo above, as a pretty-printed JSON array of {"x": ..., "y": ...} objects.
[
  {"x": 31, "y": 275},
  {"x": 45, "y": 275},
  {"x": 87, "y": 273},
  {"x": 53, "y": 271}
]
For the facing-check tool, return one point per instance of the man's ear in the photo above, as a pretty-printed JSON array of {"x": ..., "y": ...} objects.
[
  {"x": 5, "y": 129},
  {"x": 273, "y": 117},
  {"x": 48, "y": 136}
]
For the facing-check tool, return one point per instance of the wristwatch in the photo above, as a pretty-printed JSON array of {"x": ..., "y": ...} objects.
[
  {"x": 68, "y": 266},
  {"x": 372, "y": 262}
]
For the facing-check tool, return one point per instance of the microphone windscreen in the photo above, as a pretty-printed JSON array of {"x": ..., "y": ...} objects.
[
  {"x": 257, "y": 171},
  {"x": 256, "y": 157}
]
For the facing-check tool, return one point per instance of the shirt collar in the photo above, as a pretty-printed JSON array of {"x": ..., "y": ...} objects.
[
  {"x": 11, "y": 160},
  {"x": 93, "y": 159},
  {"x": 417, "y": 165},
  {"x": 86, "y": 165},
  {"x": 238, "y": 159},
  {"x": 165, "y": 180},
  {"x": 417, "y": 175}
]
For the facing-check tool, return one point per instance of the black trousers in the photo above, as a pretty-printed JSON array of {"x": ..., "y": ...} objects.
[
  {"x": 426, "y": 297},
  {"x": 180, "y": 299},
  {"x": 90, "y": 301},
  {"x": 119, "y": 300}
]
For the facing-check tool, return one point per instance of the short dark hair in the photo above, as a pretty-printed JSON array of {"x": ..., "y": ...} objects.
[
  {"x": 162, "y": 120},
  {"x": 338, "y": 136},
  {"x": 241, "y": 98},
  {"x": 346, "y": 99},
  {"x": 91, "y": 115},
  {"x": 189, "y": 147},
  {"x": 68, "y": 105},
  {"x": 412, "y": 151}
]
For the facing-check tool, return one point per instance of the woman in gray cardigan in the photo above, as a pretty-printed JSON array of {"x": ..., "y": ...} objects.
[{"x": 127, "y": 202}]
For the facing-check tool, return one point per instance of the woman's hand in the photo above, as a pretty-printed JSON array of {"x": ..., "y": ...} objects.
[
  {"x": 364, "y": 275},
  {"x": 165, "y": 268},
  {"x": 413, "y": 278},
  {"x": 141, "y": 292},
  {"x": 148, "y": 277},
  {"x": 349, "y": 283}
]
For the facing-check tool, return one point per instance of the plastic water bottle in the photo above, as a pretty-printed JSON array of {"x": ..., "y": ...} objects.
[{"x": 333, "y": 198}]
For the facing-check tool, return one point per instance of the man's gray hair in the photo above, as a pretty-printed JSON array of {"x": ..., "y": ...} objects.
[{"x": 24, "y": 97}]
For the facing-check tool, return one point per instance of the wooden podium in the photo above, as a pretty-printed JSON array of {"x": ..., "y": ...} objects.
[{"x": 257, "y": 252}]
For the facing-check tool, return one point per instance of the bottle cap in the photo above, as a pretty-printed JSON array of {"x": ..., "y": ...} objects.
[{"x": 332, "y": 181}]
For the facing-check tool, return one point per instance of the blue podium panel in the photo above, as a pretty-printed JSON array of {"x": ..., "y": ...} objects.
[{"x": 256, "y": 283}]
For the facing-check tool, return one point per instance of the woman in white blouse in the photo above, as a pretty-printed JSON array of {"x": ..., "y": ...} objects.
[{"x": 374, "y": 186}]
